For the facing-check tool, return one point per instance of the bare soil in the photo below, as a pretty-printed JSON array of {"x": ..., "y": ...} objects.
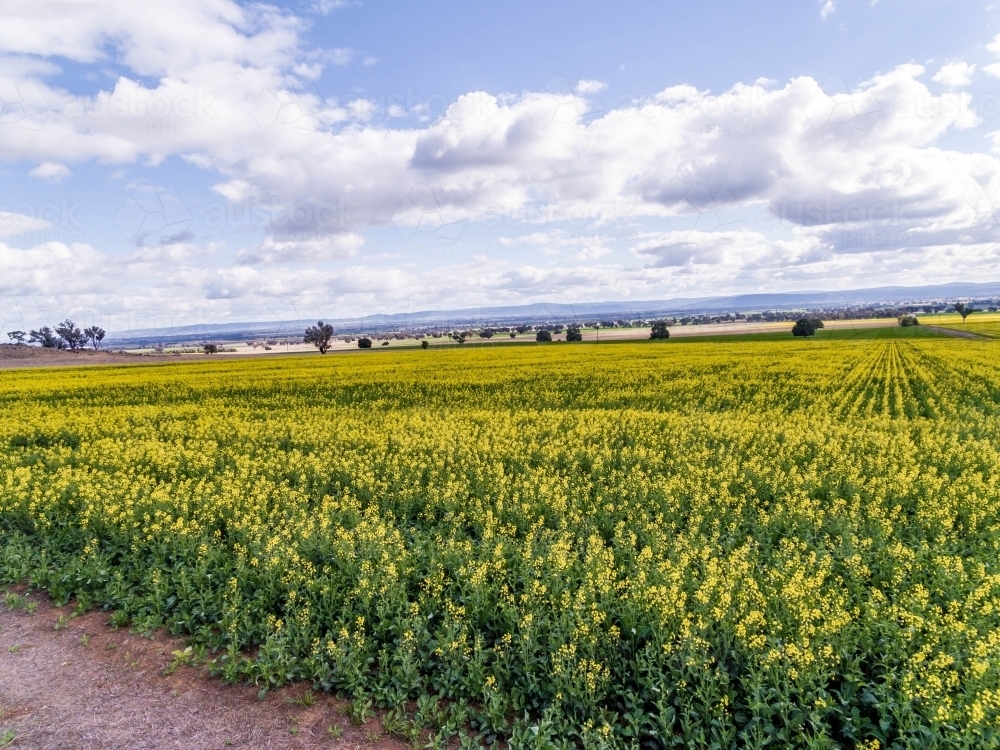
[
  {"x": 35, "y": 356},
  {"x": 957, "y": 334},
  {"x": 87, "y": 685}
]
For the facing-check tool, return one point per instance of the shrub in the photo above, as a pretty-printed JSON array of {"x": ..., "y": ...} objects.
[
  {"x": 543, "y": 336},
  {"x": 364, "y": 343},
  {"x": 908, "y": 320}
]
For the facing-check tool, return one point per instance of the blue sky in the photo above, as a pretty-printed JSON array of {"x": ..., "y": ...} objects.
[{"x": 216, "y": 161}]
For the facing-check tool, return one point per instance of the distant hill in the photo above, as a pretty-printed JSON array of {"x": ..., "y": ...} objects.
[{"x": 545, "y": 312}]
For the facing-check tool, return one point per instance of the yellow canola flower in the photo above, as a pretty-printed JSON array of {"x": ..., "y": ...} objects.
[{"x": 672, "y": 519}]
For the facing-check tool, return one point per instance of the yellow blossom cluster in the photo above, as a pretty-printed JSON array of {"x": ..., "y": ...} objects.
[{"x": 729, "y": 544}]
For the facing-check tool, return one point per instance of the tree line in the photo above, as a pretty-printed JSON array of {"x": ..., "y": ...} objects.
[{"x": 66, "y": 335}]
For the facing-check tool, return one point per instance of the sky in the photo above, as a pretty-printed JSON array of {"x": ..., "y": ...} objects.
[{"x": 210, "y": 161}]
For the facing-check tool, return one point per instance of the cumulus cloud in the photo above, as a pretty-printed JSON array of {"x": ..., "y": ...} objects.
[
  {"x": 51, "y": 171},
  {"x": 312, "y": 250},
  {"x": 766, "y": 183},
  {"x": 827, "y": 9},
  {"x": 993, "y": 69},
  {"x": 587, "y": 86},
  {"x": 955, "y": 74}
]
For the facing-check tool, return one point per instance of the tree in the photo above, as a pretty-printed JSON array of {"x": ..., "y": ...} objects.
[
  {"x": 95, "y": 335},
  {"x": 543, "y": 335},
  {"x": 659, "y": 330},
  {"x": 908, "y": 320},
  {"x": 513, "y": 335},
  {"x": 364, "y": 343},
  {"x": 964, "y": 310},
  {"x": 486, "y": 333},
  {"x": 424, "y": 344},
  {"x": 211, "y": 348},
  {"x": 47, "y": 338},
  {"x": 17, "y": 337},
  {"x": 319, "y": 336},
  {"x": 72, "y": 335},
  {"x": 807, "y": 326},
  {"x": 573, "y": 334}
]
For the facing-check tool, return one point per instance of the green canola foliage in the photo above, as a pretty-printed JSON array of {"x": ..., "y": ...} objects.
[{"x": 788, "y": 543}]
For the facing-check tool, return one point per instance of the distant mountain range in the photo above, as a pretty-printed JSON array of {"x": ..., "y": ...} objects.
[{"x": 561, "y": 312}]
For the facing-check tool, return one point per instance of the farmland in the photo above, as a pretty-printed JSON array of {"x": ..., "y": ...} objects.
[
  {"x": 765, "y": 543},
  {"x": 981, "y": 323}
]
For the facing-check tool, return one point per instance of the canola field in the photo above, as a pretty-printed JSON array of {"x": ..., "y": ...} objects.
[
  {"x": 702, "y": 545},
  {"x": 985, "y": 324}
]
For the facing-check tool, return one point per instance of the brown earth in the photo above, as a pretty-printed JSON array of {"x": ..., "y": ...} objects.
[
  {"x": 87, "y": 685},
  {"x": 957, "y": 334},
  {"x": 18, "y": 356},
  {"x": 36, "y": 356}
]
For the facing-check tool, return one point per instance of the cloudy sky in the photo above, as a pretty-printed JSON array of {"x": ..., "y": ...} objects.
[{"x": 195, "y": 161}]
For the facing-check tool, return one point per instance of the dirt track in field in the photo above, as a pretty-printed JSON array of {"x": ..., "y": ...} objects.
[
  {"x": 89, "y": 686},
  {"x": 957, "y": 334}
]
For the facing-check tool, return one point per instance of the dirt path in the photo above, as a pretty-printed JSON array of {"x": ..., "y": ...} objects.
[
  {"x": 87, "y": 685},
  {"x": 957, "y": 334}
]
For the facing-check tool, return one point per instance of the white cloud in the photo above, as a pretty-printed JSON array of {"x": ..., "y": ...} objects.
[
  {"x": 767, "y": 184},
  {"x": 16, "y": 224},
  {"x": 955, "y": 74},
  {"x": 827, "y": 9},
  {"x": 994, "y": 68},
  {"x": 339, "y": 56},
  {"x": 51, "y": 171},
  {"x": 994, "y": 46},
  {"x": 318, "y": 249},
  {"x": 152, "y": 39},
  {"x": 587, "y": 86},
  {"x": 326, "y": 7},
  {"x": 692, "y": 248}
]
